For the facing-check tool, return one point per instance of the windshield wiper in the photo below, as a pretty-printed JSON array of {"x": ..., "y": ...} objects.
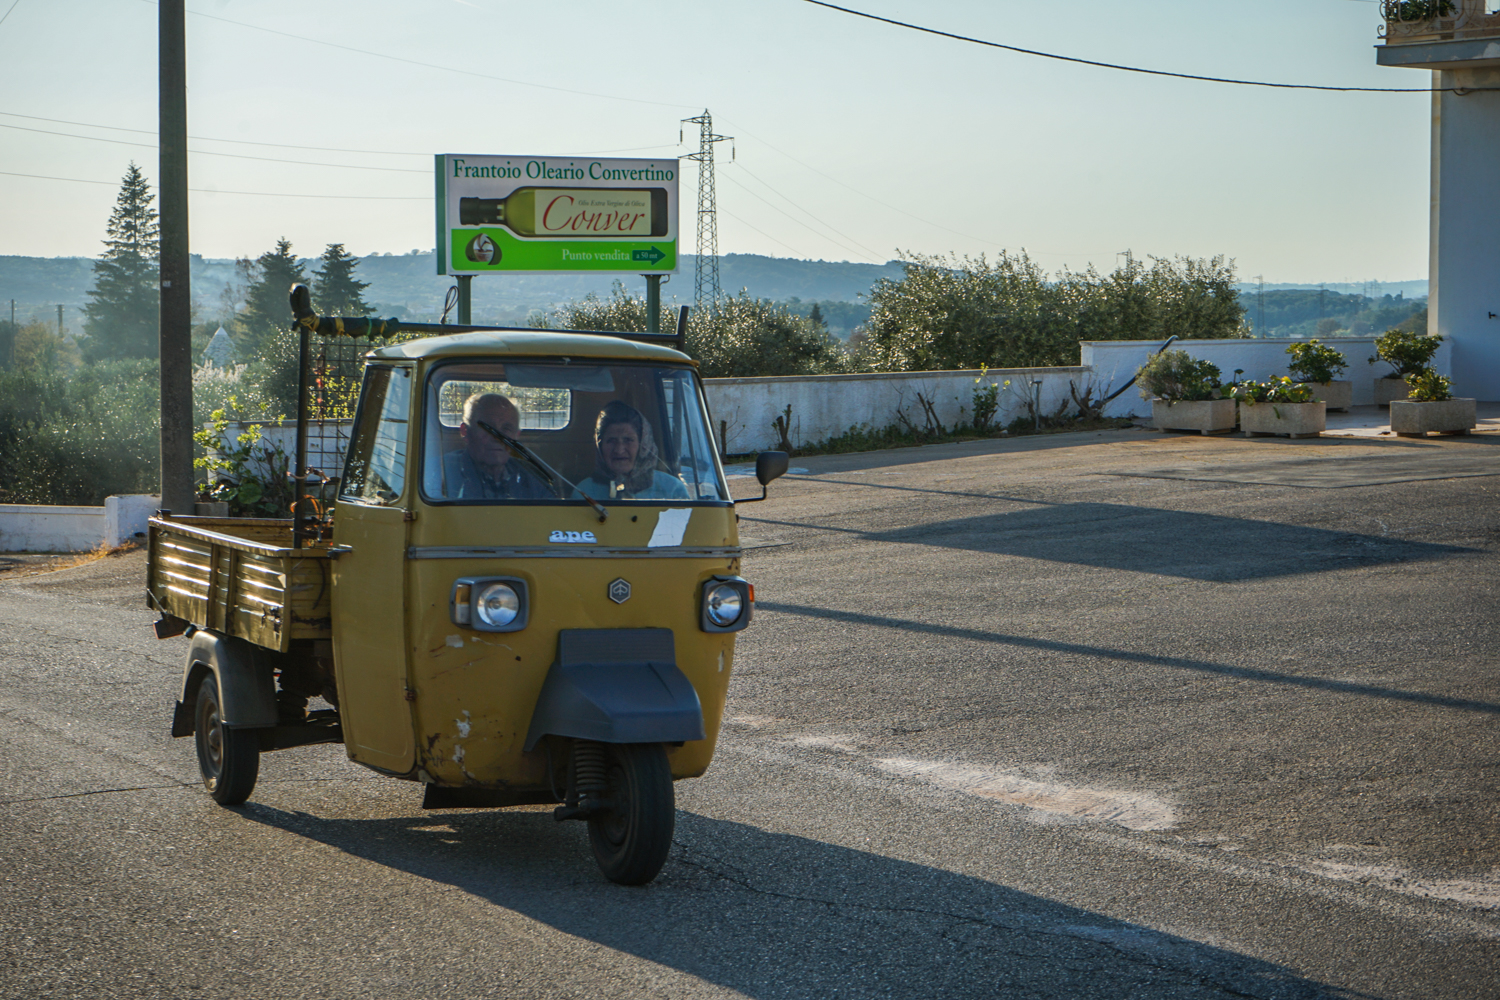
[{"x": 528, "y": 455}]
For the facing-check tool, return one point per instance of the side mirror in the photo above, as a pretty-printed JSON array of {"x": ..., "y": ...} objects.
[{"x": 770, "y": 465}]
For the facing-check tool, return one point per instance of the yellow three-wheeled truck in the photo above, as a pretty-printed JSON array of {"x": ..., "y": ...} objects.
[{"x": 527, "y": 592}]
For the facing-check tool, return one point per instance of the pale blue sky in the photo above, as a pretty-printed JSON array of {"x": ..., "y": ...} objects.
[{"x": 853, "y": 138}]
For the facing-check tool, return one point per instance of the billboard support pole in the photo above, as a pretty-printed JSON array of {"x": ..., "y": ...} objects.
[
  {"x": 653, "y": 303},
  {"x": 465, "y": 299}
]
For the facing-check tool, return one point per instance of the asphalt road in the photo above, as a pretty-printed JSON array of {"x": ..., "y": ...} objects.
[{"x": 1106, "y": 716}]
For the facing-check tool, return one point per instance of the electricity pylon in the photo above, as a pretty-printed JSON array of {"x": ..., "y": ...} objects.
[{"x": 706, "y": 269}]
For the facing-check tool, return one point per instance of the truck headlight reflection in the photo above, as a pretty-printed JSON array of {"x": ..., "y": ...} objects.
[
  {"x": 490, "y": 604},
  {"x": 498, "y": 605},
  {"x": 726, "y": 604}
]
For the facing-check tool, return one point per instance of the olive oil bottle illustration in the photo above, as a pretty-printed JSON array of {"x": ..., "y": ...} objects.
[{"x": 572, "y": 212}]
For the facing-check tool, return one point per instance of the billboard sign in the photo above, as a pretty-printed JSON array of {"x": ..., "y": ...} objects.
[{"x": 555, "y": 215}]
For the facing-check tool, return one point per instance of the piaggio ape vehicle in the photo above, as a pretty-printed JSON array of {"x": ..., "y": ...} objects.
[{"x": 527, "y": 591}]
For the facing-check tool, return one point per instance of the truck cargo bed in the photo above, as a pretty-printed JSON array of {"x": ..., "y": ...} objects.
[{"x": 239, "y": 576}]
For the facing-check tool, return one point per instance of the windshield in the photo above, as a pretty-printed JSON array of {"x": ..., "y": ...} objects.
[{"x": 617, "y": 433}]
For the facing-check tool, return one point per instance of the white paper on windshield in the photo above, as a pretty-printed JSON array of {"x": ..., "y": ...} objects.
[{"x": 670, "y": 527}]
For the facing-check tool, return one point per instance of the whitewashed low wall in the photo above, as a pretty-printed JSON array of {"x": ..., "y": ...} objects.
[
  {"x": 36, "y": 528},
  {"x": 1117, "y": 360},
  {"x": 744, "y": 410}
]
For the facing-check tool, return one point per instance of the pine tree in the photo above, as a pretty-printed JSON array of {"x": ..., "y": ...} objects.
[
  {"x": 266, "y": 306},
  {"x": 122, "y": 317},
  {"x": 336, "y": 291}
]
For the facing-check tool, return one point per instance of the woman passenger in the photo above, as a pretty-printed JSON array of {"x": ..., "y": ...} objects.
[{"x": 625, "y": 460}]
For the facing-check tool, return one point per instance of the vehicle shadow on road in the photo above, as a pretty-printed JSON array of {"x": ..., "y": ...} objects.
[
  {"x": 1183, "y": 544},
  {"x": 1131, "y": 656},
  {"x": 772, "y": 914}
]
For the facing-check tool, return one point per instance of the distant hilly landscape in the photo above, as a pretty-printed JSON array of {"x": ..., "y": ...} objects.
[{"x": 407, "y": 286}]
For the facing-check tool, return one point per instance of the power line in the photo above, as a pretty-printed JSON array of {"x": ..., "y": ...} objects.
[
  {"x": 768, "y": 187},
  {"x": 7, "y": 13},
  {"x": 767, "y": 235},
  {"x": 428, "y": 65},
  {"x": 282, "y": 145},
  {"x": 258, "y": 194},
  {"x": 209, "y": 138},
  {"x": 799, "y": 222},
  {"x": 209, "y": 152},
  {"x": 1135, "y": 69},
  {"x": 886, "y": 204}
]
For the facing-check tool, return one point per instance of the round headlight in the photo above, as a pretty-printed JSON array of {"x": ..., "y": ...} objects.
[
  {"x": 725, "y": 605},
  {"x": 497, "y": 605}
]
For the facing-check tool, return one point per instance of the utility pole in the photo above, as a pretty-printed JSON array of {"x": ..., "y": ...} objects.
[
  {"x": 175, "y": 340},
  {"x": 59, "y": 319},
  {"x": 1260, "y": 309},
  {"x": 706, "y": 266}
]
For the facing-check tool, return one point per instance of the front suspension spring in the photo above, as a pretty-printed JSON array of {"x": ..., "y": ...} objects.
[{"x": 590, "y": 772}]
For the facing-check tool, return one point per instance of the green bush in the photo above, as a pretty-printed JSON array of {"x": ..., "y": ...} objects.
[
  {"x": 1427, "y": 386},
  {"x": 1278, "y": 390},
  {"x": 736, "y": 338},
  {"x": 1175, "y": 376},
  {"x": 955, "y": 313},
  {"x": 1405, "y": 351},
  {"x": 79, "y": 439},
  {"x": 1315, "y": 362}
]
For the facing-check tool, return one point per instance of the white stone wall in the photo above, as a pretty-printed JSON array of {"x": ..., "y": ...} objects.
[
  {"x": 29, "y": 528},
  {"x": 823, "y": 406},
  {"x": 1115, "y": 361}
]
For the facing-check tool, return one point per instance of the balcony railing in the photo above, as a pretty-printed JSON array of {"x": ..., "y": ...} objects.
[{"x": 1437, "y": 20}]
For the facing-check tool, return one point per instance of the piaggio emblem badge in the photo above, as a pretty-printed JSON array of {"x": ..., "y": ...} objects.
[
  {"x": 619, "y": 590},
  {"x": 573, "y": 537}
]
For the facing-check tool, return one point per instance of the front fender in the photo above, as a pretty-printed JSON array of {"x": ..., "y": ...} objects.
[
  {"x": 617, "y": 686},
  {"x": 247, "y": 682}
]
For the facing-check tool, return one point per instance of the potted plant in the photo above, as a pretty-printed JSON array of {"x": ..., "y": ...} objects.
[
  {"x": 1408, "y": 354},
  {"x": 1431, "y": 408},
  {"x": 1280, "y": 406},
  {"x": 1184, "y": 394},
  {"x": 1319, "y": 365}
]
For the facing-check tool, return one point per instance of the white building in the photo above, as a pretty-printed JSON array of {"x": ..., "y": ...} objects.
[{"x": 1461, "y": 48}]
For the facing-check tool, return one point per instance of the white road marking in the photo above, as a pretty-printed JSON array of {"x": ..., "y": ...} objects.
[{"x": 1134, "y": 810}]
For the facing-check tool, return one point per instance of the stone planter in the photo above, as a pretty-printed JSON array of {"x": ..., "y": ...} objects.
[
  {"x": 214, "y": 508},
  {"x": 1410, "y": 418},
  {"x": 1292, "y": 419},
  {"x": 1206, "y": 416},
  {"x": 1336, "y": 395},
  {"x": 1387, "y": 389}
]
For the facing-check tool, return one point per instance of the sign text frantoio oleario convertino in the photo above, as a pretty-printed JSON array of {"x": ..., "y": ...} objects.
[{"x": 540, "y": 170}]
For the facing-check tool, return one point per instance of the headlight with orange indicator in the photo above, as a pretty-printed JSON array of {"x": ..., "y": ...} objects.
[
  {"x": 727, "y": 604},
  {"x": 490, "y": 604}
]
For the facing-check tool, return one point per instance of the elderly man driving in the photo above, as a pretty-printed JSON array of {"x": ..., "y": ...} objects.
[{"x": 482, "y": 469}]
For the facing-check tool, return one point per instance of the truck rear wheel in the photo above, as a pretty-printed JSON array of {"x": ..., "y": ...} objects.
[
  {"x": 631, "y": 839},
  {"x": 228, "y": 758}
]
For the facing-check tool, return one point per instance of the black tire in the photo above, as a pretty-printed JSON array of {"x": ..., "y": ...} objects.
[
  {"x": 632, "y": 839},
  {"x": 228, "y": 758}
]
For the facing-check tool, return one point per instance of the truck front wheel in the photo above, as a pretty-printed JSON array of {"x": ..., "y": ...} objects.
[
  {"x": 228, "y": 758},
  {"x": 631, "y": 839}
]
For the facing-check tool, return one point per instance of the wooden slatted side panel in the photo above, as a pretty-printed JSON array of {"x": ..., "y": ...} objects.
[
  {"x": 261, "y": 590},
  {"x": 181, "y": 568},
  {"x": 239, "y": 586},
  {"x": 309, "y": 592}
]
